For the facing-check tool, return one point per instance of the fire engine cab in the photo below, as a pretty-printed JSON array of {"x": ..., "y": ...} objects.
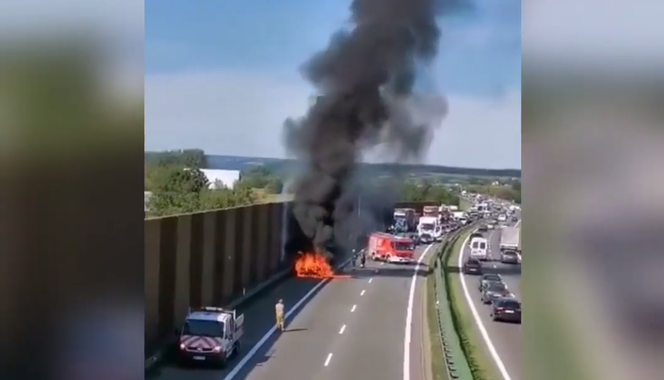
[
  {"x": 390, "y": 248},
  {"x": 210, "y": 335}
]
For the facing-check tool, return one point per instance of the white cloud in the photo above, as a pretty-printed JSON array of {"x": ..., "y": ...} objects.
[{"x": 241, "y": 113}]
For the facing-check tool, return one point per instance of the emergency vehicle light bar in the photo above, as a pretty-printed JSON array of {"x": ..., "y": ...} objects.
[{"x": 213, "y": 309}]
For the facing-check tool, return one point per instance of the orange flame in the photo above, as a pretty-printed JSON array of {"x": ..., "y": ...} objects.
[{"x": 314, "y": 265}]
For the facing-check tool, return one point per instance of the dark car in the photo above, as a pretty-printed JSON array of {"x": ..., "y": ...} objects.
[
  {"x": 487, "y": 279},
  {"x": 476, "y": 234},
  {"x": 515, "y": 219},
  {"x": 509, "y": 257},
  {"x": 494, "y": 291},
  {"x": 483, "y": 228},
  {"x": 472, "y": 266},
  {"x": 415, "y": 237},
  {"x": 506, "y": 309}
]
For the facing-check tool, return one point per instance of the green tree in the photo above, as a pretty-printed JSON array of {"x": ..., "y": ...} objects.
[
  {"x": 243, "y": 194},
  {"x": 505, "y": 192},
  {"x": 427, "y": 191},
  {"x": 480, "y": 181},
  {"x": 175, "y": 189},
  {"x": 191, "y": 158},
  {"x": 257, "y": 177},
  {"x": 274, "y": 186},
  {"x": 178, "y": 189}
]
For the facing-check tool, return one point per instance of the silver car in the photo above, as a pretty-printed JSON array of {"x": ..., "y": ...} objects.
[
  {"x": 509, "y": 257},
  {"x": 495, "y": 291},
  {"x": 488, "y": 279}
]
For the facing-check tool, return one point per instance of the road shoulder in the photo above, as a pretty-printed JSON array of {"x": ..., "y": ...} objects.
[{"x": 425, "y": 341}]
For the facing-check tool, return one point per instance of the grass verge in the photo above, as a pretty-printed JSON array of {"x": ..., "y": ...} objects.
[
  {"x": 480, "y": 364},
  {"x": 438, "y": 369}
]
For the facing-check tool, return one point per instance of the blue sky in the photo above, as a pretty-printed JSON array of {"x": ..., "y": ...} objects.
[{"x": 222, "y": 75}]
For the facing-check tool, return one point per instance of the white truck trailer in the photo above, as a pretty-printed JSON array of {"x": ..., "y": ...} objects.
[{"x": 509, "y": 239}]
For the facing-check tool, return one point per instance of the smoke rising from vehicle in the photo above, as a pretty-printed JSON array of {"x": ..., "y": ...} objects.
[{"x": 365, "y": 79}]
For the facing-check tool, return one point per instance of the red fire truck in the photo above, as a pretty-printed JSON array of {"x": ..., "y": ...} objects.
[{"x": 390, "y": 248}]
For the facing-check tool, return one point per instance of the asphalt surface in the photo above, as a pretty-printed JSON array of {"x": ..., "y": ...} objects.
[
  {"x": 350, "y": 328},
  {"x": 505, "y": 337}
]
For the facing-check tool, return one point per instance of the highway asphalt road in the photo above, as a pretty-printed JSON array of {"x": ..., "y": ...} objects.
[
  {"x": 504, "y": 337},
  {"x": 347, "y": 328}
]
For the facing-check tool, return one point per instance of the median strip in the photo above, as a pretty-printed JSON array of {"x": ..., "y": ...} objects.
[
  {"x": 448, "y": 360},
  {"x": 480, "y": 365}
]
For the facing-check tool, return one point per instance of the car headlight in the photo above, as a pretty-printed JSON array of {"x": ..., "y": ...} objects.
[{"x": 217, "y": 349}]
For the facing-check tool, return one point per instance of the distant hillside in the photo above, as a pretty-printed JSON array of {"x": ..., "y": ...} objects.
[{"x": 245, "y": 163}]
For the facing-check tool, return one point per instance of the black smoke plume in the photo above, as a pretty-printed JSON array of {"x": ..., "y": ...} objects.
[{"x": 365, "y": 80}]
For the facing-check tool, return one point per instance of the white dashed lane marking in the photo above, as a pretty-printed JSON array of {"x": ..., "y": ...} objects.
[{"x": 343, "y": 328}]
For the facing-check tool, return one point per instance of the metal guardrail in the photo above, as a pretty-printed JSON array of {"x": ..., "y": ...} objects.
[{"x": 456, "y": 363}]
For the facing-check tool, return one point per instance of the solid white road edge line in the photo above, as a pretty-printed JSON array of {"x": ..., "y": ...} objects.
[
  {"x": 242, "y": 363},
  {"x": 409, "y": 315},
  {"x": 476, "y": 316}
]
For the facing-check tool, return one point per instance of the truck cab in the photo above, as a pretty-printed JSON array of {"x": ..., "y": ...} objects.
[
  {"x": 210, "y": 335},
  {"x": 405, "y": 216}
]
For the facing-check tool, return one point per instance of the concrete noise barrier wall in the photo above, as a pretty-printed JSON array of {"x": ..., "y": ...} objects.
[
  {"x": 213, "y": 257},
  {"x": 207, "y": 259}
]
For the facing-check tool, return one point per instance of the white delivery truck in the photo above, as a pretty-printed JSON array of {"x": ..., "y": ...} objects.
[
  {"x": 428, "y": 229},
  {"x": 509, "y": 239},
  {"x": 458, "y": 215}
]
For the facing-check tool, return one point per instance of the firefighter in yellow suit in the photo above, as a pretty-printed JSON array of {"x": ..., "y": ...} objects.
[{"x": 279, "y": 312}]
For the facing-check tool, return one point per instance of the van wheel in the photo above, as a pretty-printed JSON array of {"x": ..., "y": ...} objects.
[
  {"x": 222, "y": 362},
  {"x": 236, "y": 349}
]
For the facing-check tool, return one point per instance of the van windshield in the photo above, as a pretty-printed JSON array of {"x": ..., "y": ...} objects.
[
  {"x": 426, "y": 226},
  {"x": 203, "y": 328}
]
